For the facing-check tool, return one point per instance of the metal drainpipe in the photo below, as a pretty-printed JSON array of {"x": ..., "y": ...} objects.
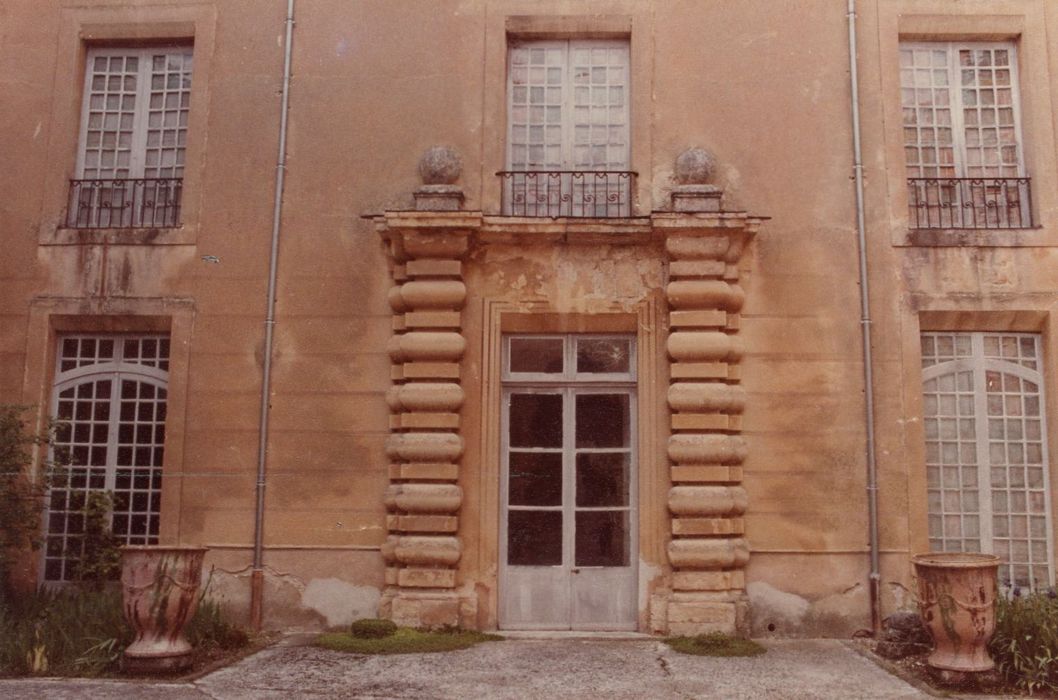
[
  {"x": 257, "y": 577},
  {"x": 865, "y": 326}
]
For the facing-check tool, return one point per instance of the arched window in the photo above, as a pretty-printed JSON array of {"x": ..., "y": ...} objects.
[
  {"x": 986, "y": 451},
  {"x": 109, "y": 401}
]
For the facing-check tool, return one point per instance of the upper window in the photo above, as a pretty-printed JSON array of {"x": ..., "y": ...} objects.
[
  {"x": 130, "y": 162},
  {"x": 962, "y": 136},
  {"x": 568, "y": 129}
]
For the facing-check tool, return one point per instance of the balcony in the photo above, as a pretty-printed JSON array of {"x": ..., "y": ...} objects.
[
  {"x": 124, "y": 203},
  {"x": 567, "y": 193},
  {"x": 969, "y": 203}
]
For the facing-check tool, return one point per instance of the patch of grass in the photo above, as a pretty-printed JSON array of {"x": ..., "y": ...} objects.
[
  {"x": 715, "y": 644},
  {"x": 372, "y": 628},
  {"x": 405, "y": 641}
]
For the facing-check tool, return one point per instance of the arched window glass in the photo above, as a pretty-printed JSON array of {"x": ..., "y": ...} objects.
[
  {"x": 986, "y": 451},
  {"x": 109, "y": 402}
]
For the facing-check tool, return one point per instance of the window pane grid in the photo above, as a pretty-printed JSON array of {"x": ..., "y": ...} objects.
[
  {"x": 959, "y": 105},
  {"x": 167, "y": 114},
  {"x": 961, "y": 136},
  {"x": 986, "y": 455},
  {"x": 568, "y": 107},
  {"x": 110, "y": 437}
]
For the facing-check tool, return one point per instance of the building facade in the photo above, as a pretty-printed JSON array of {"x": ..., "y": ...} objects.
[{"x": 556, "y": 306}]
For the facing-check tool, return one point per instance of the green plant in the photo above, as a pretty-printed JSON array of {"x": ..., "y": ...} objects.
[
  {"x": 100, "y": 559},
  {"x": 715, "y": 644},
  {"x": 405, "y": 641},
  {"x": 82, "y": 632},
  {"x": 21, "y": 493},
  {"x": 1025, "y": 643},
  {"x": 372, "y": 628},
  {"x": 209, "y": 628},
  {"x": 62, "y": 633}
]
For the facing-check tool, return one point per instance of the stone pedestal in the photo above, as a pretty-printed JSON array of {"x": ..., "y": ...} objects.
[
  {"x": 708, "y": 551},
  {"x": 425, "y": 444}
]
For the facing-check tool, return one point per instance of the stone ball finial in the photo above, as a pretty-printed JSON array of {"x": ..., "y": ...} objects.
[
  {"x": 440, "y": 165},
  {"x": 694, "y": 166}
]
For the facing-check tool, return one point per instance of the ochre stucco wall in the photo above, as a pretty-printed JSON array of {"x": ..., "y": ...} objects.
[{"x": 763, "y": 85}]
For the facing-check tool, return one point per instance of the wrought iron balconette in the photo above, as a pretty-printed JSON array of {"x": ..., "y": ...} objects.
[
  {"x": 152, "y": 202},
  {"x": 969, "y": 202},
  {"x": 601, "y": 194}
]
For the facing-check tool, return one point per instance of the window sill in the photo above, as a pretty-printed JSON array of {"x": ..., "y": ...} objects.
[
  {"x": 178, "y": 235},
  {"x": 980, "y": 238}
]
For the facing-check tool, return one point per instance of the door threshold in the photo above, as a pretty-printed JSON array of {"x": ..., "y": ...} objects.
[{"x": 577, "y": 634}]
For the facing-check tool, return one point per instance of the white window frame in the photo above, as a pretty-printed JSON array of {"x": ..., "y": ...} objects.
[
  {"x": 141, "y": 109},
  {"x": 567, "y": 115},
  {"x": 116, "y": 369},
  {"x": 956, "y": 104},
  {"x": 978, "y": 364}
]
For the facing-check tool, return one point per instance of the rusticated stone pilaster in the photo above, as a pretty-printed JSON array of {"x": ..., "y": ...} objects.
[
  {"x": 708, "y": 550},
  {"x": 425, "y": 445}
]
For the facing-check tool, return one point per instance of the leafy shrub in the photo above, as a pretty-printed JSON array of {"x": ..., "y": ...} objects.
[
  {"x": 1025, "y": 644},
  {"x": 100, "y": 559},
  {"x": 21, "y": 496},
  {"x": 372, "y": 628}
]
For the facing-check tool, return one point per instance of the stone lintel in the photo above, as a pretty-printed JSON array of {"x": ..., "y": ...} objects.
[
  {"x": 411, "y": 577},
  {"x": 430, "y": 267},
  {"x": 709, "y": 580},
  {"x": 424, "y": 471},
  {"x": 697, "y": 268},
  {"x": 424, "y": 421},
  {"x": 705, "y": 421},
  {"x": 708, "y": 526},
  {"x": 706, "y": 474},
  {"x": 702, "y": 370},
  {"x": 708, "y": 318},
  {"x": 427, "y": 370},
  {"x": 433, "y": 319},
  {"x": 424, "y": 523}
]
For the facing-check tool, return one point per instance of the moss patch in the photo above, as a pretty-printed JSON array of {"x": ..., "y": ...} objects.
[
  {"x": 715, "y": 644},
  {"x": 405, "y": 641}
]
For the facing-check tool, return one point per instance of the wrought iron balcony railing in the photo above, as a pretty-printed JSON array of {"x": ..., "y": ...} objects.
[
  {"x": 572, "y": 193},
  {"x": 152, "y": 202},
  {"x": 969, "y": 202}
]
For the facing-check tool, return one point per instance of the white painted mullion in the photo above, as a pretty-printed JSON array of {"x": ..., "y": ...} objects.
[
  {"x": 984, "y": 459},
  {"x": 141, "y": 112},
  {"x": 1048, "y": 502},
  {"x": 86, "y": 99},
  {"x": 114, "y": 426},
  {"x": 1015, "y": 93},
  {"x": 958, "y": 123},
  {"x": 568, "y": 126},
  {"x": 569, "y": 523}
]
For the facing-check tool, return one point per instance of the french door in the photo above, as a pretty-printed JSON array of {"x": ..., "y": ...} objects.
[{"x": 568, "y": 525}]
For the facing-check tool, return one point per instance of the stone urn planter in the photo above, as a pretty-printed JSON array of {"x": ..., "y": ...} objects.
[
  {"x": 160, "y": 593},
  {"x": 957, "y": 600}
]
